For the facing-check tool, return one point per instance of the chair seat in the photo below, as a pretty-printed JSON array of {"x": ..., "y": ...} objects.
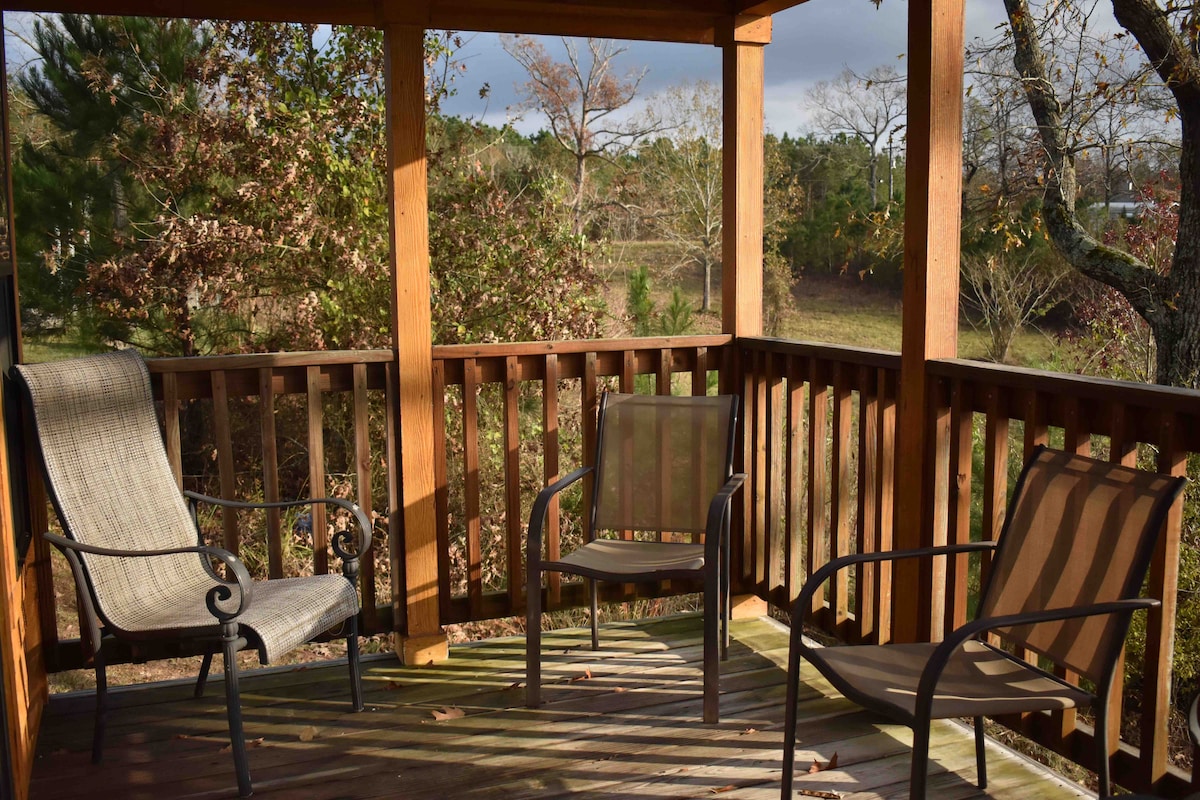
[
  {"x": 282, "y": 614},
  {"x": 978, "y": 681},
  {"x": 630, "y": 559}
]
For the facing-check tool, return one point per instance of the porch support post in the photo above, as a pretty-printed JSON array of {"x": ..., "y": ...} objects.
[
  {"x": 422, "y": 640},
  {"x": 930, "y": 309},
  {"x": 742, "y": 40},
  {"x": 742, "y": 175}
]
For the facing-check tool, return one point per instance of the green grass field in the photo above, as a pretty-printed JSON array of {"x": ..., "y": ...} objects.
[{"x": 827, "y": 309}]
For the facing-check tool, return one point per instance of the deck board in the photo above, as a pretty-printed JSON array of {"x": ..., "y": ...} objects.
[{"x": 630, "y": 730}]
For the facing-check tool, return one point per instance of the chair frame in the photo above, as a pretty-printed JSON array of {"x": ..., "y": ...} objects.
[
  {"x": 921, "y": 719},
  {"x": 96, "y": 626},
  {"x": 715, "y": 572}
]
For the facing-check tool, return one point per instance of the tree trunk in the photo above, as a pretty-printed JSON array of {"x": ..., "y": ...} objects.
[
  {"x": 1169, "y": 304},
  {"x": 706, "y": 298}
]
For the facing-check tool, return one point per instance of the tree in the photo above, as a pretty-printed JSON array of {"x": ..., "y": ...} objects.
[
  {"x": 1008, "y": 289},
  {"x": 1169, "y": 301},
  {"x": 870, "y": 107},
  {"x": 88, "y": 108},
  {"x": 683, "y": 172},
  {"x": 580, "y": 98}
]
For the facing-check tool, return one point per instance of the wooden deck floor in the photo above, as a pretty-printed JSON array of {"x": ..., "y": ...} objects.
[{"x": 619, "y": 723}]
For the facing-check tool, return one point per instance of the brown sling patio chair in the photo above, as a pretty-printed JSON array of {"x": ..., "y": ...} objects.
[
  {"x": 133, "y": 542},
  {"x": 663, "y": 464},
  {"x": 1065, "y": 579}
]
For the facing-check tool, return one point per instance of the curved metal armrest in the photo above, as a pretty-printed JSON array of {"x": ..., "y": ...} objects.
[
  {"x": 718, "y": 513},
  {"x": 341, "y": 539},
  {"x": 824, "y": 573},
  {"x": 1194, "y": 720},
  {"x": 941, "y": 656},
  {"x": 537, "y": 514},
  {"x": 222, "y": 591}
]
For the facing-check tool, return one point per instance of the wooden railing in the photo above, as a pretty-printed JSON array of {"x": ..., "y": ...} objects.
[
  {"x": 819, "y": 441},
  {"x": 542, "y": 400},
  {"x": 820, "y": 424}
]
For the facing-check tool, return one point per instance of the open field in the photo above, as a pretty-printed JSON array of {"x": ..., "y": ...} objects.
[{"x": 831, "y": 309}]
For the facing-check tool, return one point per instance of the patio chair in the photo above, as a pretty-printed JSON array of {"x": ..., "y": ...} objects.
[
  {"x": 133, "y": 543},
  {"x": 1064, "y": 581},
  {"x": 1194, "y": 733},
  {"x": 663, "y": 464}
]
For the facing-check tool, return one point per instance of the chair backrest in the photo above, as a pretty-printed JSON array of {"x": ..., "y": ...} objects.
[
  {"x": 108, "y": 476},
  {"x": 1079, "y": 531},
  {"x": 660, "y": 460}
]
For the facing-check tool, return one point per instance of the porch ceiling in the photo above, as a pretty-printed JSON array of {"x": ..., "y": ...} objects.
[{"x": 689, "y": 21}]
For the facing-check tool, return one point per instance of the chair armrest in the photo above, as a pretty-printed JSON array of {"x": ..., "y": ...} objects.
[
  {"x": 341, "y": 539},
  {"x": 823, "y": 574},
  {"x": 222, "y": 591},
  {"x": 941, "y": 655},
  {"x": 537, "y": 514},
  {"x": 718, "y": 514}
]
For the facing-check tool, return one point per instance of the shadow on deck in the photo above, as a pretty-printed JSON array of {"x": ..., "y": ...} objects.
[{"x": 620, "y": 722}]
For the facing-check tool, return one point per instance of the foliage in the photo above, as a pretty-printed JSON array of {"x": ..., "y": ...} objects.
[
  {"x": 579, "y": 97},
  {"x": 261, "y": 220},
  {"x": 681, "y": 175},
  {"x": 674, "y": 320}
]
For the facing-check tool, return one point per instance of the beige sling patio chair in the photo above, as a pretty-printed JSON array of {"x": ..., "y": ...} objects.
[
  {"x": 133, "y": 543},
  {"x": 663, "y": 464},
  {"x": 1065, "y": 579}
]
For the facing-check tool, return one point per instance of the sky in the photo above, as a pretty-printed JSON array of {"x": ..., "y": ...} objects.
[{"x": 810, "y": 43}]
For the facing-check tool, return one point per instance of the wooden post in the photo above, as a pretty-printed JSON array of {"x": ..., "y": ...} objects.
[
  {"x": 742, "y": 177},
  {"x": 423, "y": 639},
  {"x": 931, "y": 265},
  {"x": 742, "y": 209}
]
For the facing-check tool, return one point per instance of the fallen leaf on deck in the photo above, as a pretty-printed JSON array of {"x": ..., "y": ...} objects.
[
  {"x": 392, "y": 686},
  {"x": 249, "y": 743},
  {"x": 816, "y": 765},
  {"x": 620, "y": 689},
  {"x": 728, "y": 788},
  {"x": 513, "y": 685},
  {"x": 748, "y": 731},
  {"x": 451, "y": 712},
  {"x": 308, "y": 734},
  {"x": 818, "y": 793},
  {"x": 586, "y": 676}
]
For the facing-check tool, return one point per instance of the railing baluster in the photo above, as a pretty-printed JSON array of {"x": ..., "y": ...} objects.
[
  {"x": 794, "y": 562},
  {"x": 662, "y": 386},
  {"x": 840, "y": 497},
  {"x": 441, "y": 491},
  {"x": 550, "y": 473},
  {"x": 170, "y": 395},
  {"x": 266, "y": 399},
  {"x": 512, "y": 482},
  {"x": 772, "y": 538},
  {"x": 316, "y": 468},
  {"x": 886, "y": 458},
  {"x": 471, "y": 485},
  {"x": 394, "y": 514},
  {"x": 818, "y": 482},
  {"x": 225, "y": 467},
  {"x": 1162, "y": 585},
  {"x": 868, "y": 499},
  {"x": 962, "y": 428},
  {"x": 754, "y": 550},
  {"x": 362, "y": 459}
]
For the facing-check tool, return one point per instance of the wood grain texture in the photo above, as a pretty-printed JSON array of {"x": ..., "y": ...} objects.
[{"x": 742, "y": 189}]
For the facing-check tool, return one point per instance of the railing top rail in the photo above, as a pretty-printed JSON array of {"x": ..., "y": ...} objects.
[
  {"x": 308, "y": 358},
  {"x": 885, "y": 359},
  {"x": 501, "y": 349},
  {"x": 1144, "y": 395}
]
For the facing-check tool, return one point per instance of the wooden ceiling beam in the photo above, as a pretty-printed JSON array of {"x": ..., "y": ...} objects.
[{"x": 687, "y": 21}]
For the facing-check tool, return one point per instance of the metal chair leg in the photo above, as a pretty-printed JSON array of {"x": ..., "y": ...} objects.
[
  {"x": 233, "y": 703},
  {"x": 533, "y": 638},
  {"x": 712, "y": 669},
  {"x": 790, "y": 711},
  {"x": 980, "y": 753},
  {"x": 202, "y": 679},
  {"x": 727, "y": 599},
  {"x": 920, "y": 760},
  {"x": 356, "y": 694},
  {"x": 101, "y": 708}
]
